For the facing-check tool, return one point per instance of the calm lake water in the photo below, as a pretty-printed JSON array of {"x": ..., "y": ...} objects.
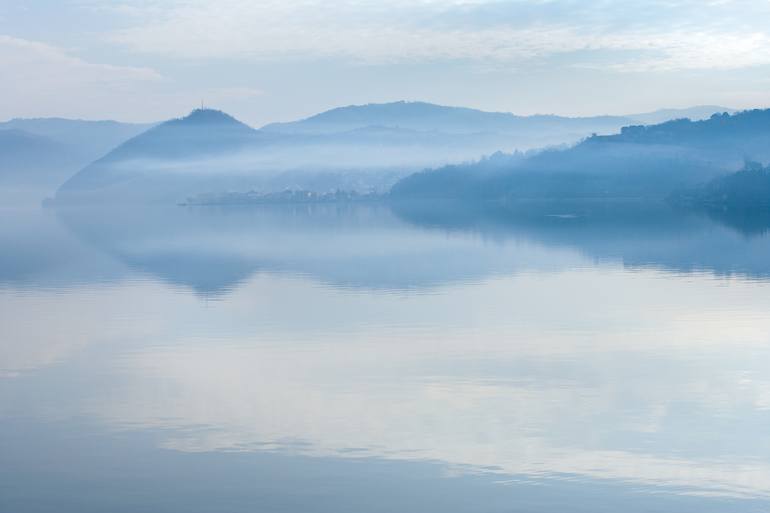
[{"x": 363, "y": 358}]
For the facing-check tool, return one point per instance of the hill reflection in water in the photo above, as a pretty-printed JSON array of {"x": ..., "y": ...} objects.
[{"x": 417, "y": 246}]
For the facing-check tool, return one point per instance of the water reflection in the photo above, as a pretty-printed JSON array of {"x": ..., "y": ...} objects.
[
  {"x": 412, "y": 247},
  {"x": 636, "y": 233},
  {"x": 623, "y": 357},
  {"x": 658, "y": 399}
]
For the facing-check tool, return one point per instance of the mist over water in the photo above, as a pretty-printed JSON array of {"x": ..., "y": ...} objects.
[{"x": 538, "y": 356}]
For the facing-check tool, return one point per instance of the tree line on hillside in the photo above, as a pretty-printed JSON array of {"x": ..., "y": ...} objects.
[{"x": 639, "y": 162}]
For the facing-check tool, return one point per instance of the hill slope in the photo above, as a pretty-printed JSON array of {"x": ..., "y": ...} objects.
[
  {"x": 641, "y": 161},
  {"x": 158, "y": 163}
]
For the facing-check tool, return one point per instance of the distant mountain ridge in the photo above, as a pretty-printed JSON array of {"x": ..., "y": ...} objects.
[
  {"x": 428, "y": 116},
  {"x": 356, "y": 148},
  {"x": 696, "y": 113}
]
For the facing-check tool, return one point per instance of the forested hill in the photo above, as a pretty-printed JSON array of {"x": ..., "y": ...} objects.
[
  {"x": 718, "y": 128},
  {"x": 747, "y": 189},
  {"x": 641, "y": 161}
]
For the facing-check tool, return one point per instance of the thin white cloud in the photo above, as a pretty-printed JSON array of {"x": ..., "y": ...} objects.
[
  {"x": 657, "y": 36},
  {"x": 44, "y": 66},
  {"x": 44, "y": 80},
  {"x": 40, "y": 79}
]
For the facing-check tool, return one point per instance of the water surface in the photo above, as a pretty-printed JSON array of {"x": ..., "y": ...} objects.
[{"x": 334, "y": 358}]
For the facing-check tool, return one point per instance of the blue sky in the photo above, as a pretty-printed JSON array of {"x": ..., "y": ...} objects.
[{"x": 271, "y": 60}]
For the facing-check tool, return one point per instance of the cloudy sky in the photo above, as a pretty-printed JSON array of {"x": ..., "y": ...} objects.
[{"x": 146, "y": 60}]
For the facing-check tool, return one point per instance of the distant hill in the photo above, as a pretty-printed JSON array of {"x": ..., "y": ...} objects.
[
  {"x": 89, "y": 139},
  {"x": 522, "y": 131},
  {"x": 423, "y": 116},
  {"x": 160, "y": 163},
  {"x": 202, "y": 132},
  {"x": 29, "y": 158},
  {"x": 641, "y": 161},
  {"x": 37, "y": 155},
  {"x": 31, "y": 165},
  {"x": 697, "y": 113}
]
